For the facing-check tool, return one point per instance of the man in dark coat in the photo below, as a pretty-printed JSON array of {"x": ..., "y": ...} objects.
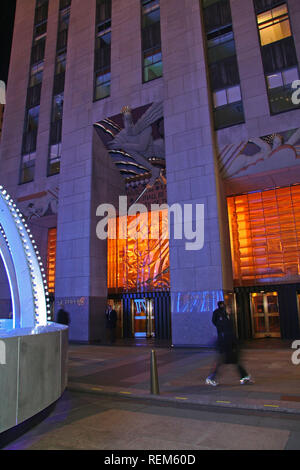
[
  {"x": 63, "y": 317},
  {"x": 227, "y": 344},
  {"x": 111, "y": 322}
]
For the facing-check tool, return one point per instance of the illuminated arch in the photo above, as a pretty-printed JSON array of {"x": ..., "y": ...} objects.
[{"x": 26, "y": 276}]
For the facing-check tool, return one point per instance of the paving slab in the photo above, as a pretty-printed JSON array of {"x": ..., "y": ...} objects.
[{"x": 124, "y": 370}]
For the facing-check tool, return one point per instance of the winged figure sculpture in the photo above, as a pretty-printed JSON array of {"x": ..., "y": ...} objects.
[{"x": 136, "y": 139}]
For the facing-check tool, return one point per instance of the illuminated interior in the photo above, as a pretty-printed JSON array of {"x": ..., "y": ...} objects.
[
  {"x": 265, "y": 236},
  {"x": 139, "y": 262},
  {"x": 274, "y": 25},
  {"x": 265, "y": 314},
  {"x": 51, "y": 259}
]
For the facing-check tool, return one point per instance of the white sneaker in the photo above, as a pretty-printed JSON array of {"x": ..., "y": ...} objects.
[
  {"x": 246, "y": 380},
  {"x": 212, "y": 382}
]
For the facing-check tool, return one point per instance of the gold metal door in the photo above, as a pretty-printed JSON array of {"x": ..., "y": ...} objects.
[
  {"x": 143, "y": 317},
  {"x": 265, "y": 314}
]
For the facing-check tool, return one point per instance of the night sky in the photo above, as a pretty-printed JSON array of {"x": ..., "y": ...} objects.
[{"x": 7, "y": 13}]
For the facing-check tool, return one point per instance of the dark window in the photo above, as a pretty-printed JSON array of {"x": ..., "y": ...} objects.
[
  {"x": 151, "y": 40},
  {"x": 41, "y": 12},
  {"x": 102, "y": 84},
  {"x": 54, "y": 159},
  {"x": 33, "y": 95},
  {"x": 102, "y": 52},
  {"x": 279, "y": 55},
  {"x": 229, "y": 115},
  {"x": 62, "y": 40},
  {"x": 222, "y": 64},
  {"x": 64, "y": 4},
  {"x": 224, "y": 73},
  {"x": 263, "y": 5},
  {"x": 55, "y": 132},
  {"x": 102, "y": 59},
  {"x": 34, "y": 92},
  {"x": 59, "y": 83},
  {"x": 30, "y": 131},
  {"x": 103, "y": 11},
  {"x": 27, "y": 168},
  {"x": 38, "y": 51},
  {"x": 217, "y": 15},
  {"x": 36, "y": 74}
]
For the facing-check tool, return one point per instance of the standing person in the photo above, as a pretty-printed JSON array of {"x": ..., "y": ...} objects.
[
  {"x": 227, "y": 345},
  {"x": 63, "y": 317},
  {"x": 111, "y": 322}
]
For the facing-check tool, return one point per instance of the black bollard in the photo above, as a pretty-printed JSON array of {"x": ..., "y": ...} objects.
[{"x": 154, "y": 376}]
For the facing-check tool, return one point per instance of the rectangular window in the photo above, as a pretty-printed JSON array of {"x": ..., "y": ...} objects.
[
  {"x": 274, "y": 25},
  {"x": 278, "y": 53},
  {"x": 222, "y": 64},
  {"x": 54, "y": 159},
  {"x": 27, "y": 168},
  {"x": 34, "y": 92},
  {"x": 102, "y": 60},
  {"x": 31, "y": 124},
  {"x": 151, "y": 40},
  {"x": 263, "y": 5},
  {"x": 36, "y": 74},
  {"x": 58, "y": 88},
  {"x": 217, "y": 15}
]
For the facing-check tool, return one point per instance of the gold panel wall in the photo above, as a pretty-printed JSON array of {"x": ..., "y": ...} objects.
[
  {"x": 265, "y": 236},
  {"x": 139, "y": 261}
]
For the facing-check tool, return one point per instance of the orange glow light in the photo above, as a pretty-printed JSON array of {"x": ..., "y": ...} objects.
[
  {"x": 51, "y": 259},
  {"x": 139, "y": 263},
  {"x": 265, "y": 236}
]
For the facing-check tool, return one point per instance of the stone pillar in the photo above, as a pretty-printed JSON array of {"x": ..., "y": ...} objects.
[
  {"x": 87, "y": 179},
  {"x": 12, "y": 132},
  {"x": 252, "y": 78},
  {"x": 42, "y": 152},
  {"x": 198, "y": 278},
  {"x": 294, "y": 12},
  {"x": 73, "y": 224}
]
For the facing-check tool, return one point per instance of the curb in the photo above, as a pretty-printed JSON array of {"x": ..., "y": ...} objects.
[{"x": 271, "y": 406}]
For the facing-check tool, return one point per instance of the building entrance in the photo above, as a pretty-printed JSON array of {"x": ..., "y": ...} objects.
[
  {"x": 143, "y": 319},
  {"x": 265, "y": 314}
]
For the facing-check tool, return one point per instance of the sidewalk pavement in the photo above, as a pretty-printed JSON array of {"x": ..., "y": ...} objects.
[{"x": 123, "y": 370}]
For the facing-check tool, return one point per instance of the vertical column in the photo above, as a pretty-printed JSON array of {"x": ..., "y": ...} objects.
[
  {"x": 197, "y": 277},
  {"x": 46, "y": 95},
  {"x": 11, "y": 141},
  {"x": 126, "y": 56},
  {"x": 73, "y": 230},
  {"x": 253, "y": 84},
  {"x": 294, "y": 11}
]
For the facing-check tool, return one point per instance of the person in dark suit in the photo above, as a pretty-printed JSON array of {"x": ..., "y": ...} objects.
[
  {"x": 111, "y": 322},
  {"x": 63, "y": 317},
  {"x": 227, "y": 345}
]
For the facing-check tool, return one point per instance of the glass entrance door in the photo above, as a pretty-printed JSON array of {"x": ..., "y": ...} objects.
[
  {"x": 265, "y": 314},
  {"x": 143, "y": 317}
]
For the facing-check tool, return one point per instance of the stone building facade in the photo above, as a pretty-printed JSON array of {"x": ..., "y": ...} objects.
[{"x": 222, "y": 107}]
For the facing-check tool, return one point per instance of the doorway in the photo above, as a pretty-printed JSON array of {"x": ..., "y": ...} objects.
[
  {"x": 143, "y": 318},
  {"x": 265, "y": 315}
]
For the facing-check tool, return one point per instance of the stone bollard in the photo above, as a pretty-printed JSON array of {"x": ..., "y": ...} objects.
[{"x": 154, "y": 376}]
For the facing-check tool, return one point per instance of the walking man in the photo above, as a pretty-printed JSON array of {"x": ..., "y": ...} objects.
[{"x": 227, "y": 345}]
